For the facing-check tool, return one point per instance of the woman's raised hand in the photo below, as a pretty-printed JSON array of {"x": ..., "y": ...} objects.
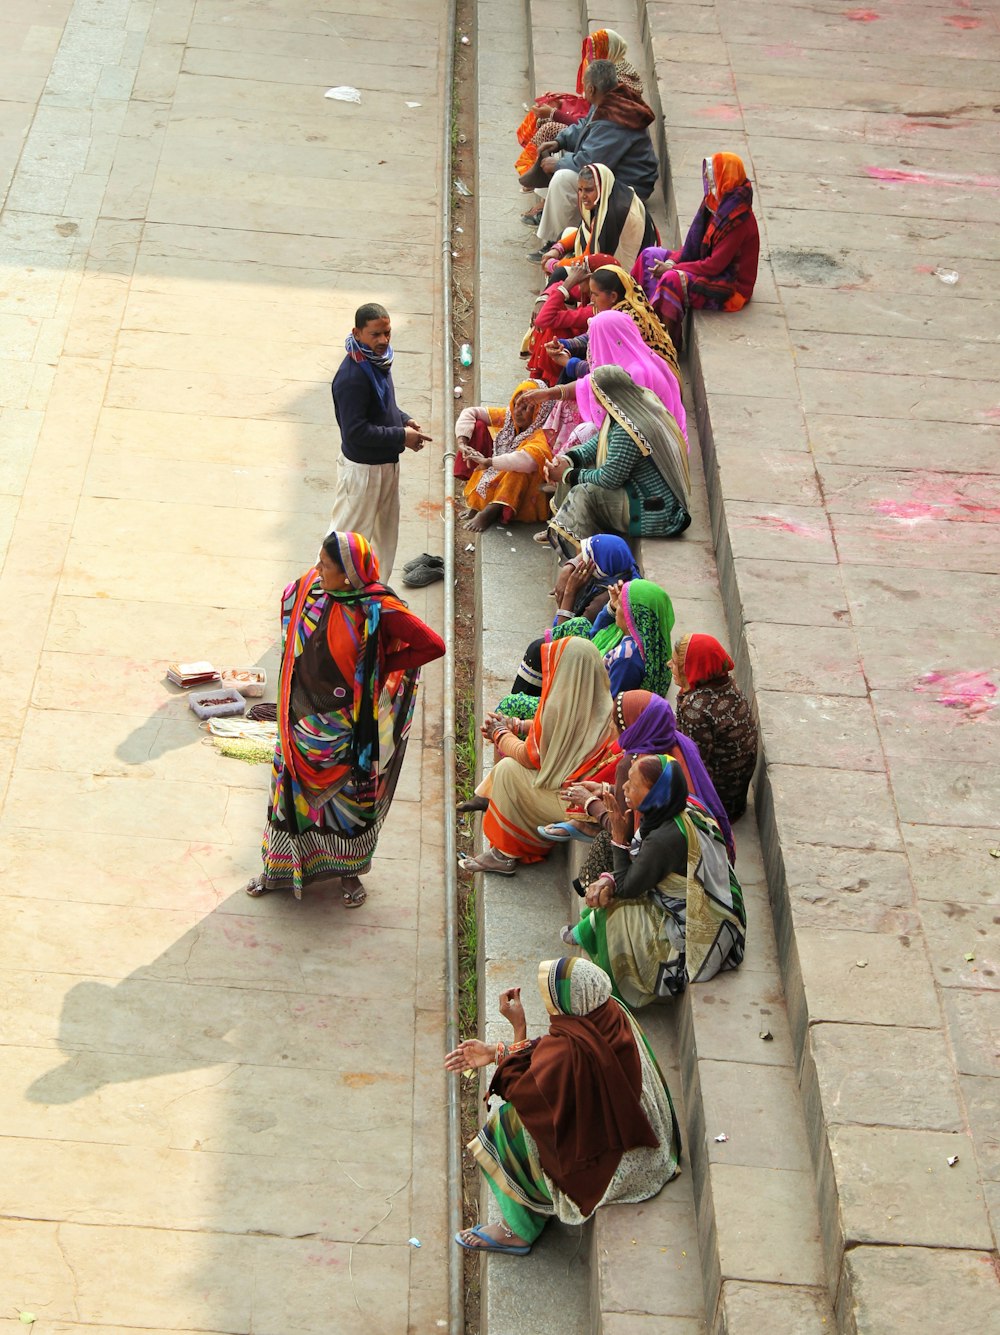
[
  {"x": 614, "y": 596},
  {"x": 533, "y": 397},
  {"x": 512, "y": 1010},
  {"x": 575, "y": 274},
  {"x": 578, "y": 579},
  {"x": 472, "y": 1053}
]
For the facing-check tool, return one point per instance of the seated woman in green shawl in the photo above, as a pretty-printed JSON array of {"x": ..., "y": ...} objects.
[
  {"x": 587, "y": 1118},
  {"x": 671, "y": 911}
]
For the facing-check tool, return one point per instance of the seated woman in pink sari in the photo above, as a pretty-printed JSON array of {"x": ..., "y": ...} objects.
[
  {"x": 616, "y": 341},
  {"x": 716, "y": 268}
]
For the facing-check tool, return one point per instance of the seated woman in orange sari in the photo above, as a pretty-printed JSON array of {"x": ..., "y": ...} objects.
[
  {"x": 503, "y": 454},
  {"x": 571, "y": 737}
]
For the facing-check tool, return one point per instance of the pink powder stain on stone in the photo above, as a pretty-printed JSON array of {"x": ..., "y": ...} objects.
[
  {"x": 861, "y": 15},
  {"x": 961, "y": 21},
  {"x": 923, "y": 268},
  {"x": 720, "y": 112},
  {"x": 939, "y": 180},
  {"x": 779, "y": 525},
  {"x": 970, "y": 692},
  {"x": 938, "y": 498}
]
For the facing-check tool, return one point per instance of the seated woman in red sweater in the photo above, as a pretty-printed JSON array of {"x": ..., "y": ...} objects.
[
  {"x": 716, "y": 268},
  {"x": 564, "y": 313}
]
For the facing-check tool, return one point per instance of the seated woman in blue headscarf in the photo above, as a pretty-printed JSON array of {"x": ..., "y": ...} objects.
[{"x": 671, "y": 910}]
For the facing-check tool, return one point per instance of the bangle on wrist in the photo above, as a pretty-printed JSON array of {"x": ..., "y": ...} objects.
[
  {"x": 519, "y": 1045},
  {"x": 502, "y": 1051}
]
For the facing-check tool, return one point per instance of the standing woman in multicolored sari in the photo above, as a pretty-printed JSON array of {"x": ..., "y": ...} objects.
[
  {"x": 716, "y": 268},
  {"x": 350, "y": 654}
]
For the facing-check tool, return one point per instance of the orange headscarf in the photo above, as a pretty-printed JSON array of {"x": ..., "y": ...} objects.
[{"x": 729, "y": 174}]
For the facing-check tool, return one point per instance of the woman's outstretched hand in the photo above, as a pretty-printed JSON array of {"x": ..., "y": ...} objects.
[{"x": 472, "y": 1053}]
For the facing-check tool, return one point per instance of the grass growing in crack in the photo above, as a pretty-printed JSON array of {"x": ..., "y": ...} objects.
[{"x": 468, "y": 927}]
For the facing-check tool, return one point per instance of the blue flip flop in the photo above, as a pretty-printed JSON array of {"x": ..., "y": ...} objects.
[
  {"x": 567, "y": 831},
  {"x": 491, "y": 1244}
]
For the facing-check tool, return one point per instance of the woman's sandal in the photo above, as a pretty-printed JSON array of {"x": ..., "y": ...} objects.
[
  {"x": 476, "y": 803},
  {"x": 353, "y": 899},
  {"x": 562, "y": 831},
  {"x": 490, "y": 861},
  {"x": 257, "y": 887},
  {"x": 489, "y": 1244}
]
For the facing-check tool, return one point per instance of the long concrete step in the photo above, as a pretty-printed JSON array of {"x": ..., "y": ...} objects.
[
  {"x": 649, "y": 1264},
  {"x": 876, "y": 1055}
]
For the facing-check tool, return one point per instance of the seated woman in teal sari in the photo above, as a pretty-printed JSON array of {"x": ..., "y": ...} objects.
[
  {"x": 671, "y": 912},
  {"x": 587, "y": 1117}
]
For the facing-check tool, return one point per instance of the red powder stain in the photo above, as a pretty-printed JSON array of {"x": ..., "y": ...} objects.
[
  {"x": 429, "y": 509},
  {"x": 938, "y": 498},
  {"x": 923, "y": 268},
  {"x": 776, "y": 524},
  {"x": 970, "y": 692},
  {"x": 861, "y": 15},
  {"x": 721, "y": 112},
  {"x": 961, "y": 21},
  {"x": 939, "y": 179},
  {"x": 991, "y": 412}
]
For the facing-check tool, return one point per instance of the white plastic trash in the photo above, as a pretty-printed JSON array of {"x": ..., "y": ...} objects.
[{"x": 344, "y": 93}]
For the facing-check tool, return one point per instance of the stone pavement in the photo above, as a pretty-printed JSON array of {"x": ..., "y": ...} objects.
[
  {"x": 849, "y": 421},
  {"x": 218, "y": 1114},
  {"x": 826, "y": 411}
]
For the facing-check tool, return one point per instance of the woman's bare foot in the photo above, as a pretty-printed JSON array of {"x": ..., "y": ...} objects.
[
  {"x": 486, "y": 518},
  {"x": 476, "y": 803},
  {"x": 257, "y": 887}
]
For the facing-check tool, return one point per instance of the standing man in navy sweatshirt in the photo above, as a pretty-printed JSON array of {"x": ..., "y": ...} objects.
[{"x": 374, "y": 431}]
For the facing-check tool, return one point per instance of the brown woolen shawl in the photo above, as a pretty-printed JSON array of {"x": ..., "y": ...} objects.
[{"x": 578, "y": 1091}]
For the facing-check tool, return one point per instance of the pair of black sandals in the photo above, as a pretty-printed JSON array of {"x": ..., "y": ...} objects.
[{"x": 423, "y": 570}]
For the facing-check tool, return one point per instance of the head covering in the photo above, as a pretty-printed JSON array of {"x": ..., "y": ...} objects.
[
  {"x": 572, "y": 987},
  {"x": 578, "y": 1091},
  {"x": 615, "y": 341},
  {"x": 357, "y": 560},
  {"x": 606, "y": 44},
  {"x": 701, "y": 658},
  {"x": 721, "y": 208},
  {"x": 509, "y": 437},
  {"x": 636, "y": 305},
  {"x": 667, "y": 797},
  {"x": 612, "y": 557},
  {"x": 617, "y": 223},
  {"x": 649, "y": 619},
  {"x": 652, "y": 730},
  {"x": 375, "y": 365},
  {"x": 573, "y": 723},
  {"x": 650, "y": 425},
  {"x": 728, "y": 174}
]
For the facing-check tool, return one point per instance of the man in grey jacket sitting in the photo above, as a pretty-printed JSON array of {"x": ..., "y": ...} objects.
[{"x": 615, "y": 133}]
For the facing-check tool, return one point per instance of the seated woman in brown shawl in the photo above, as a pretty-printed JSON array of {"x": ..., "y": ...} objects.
[{"x": 587, "y": 1120}]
